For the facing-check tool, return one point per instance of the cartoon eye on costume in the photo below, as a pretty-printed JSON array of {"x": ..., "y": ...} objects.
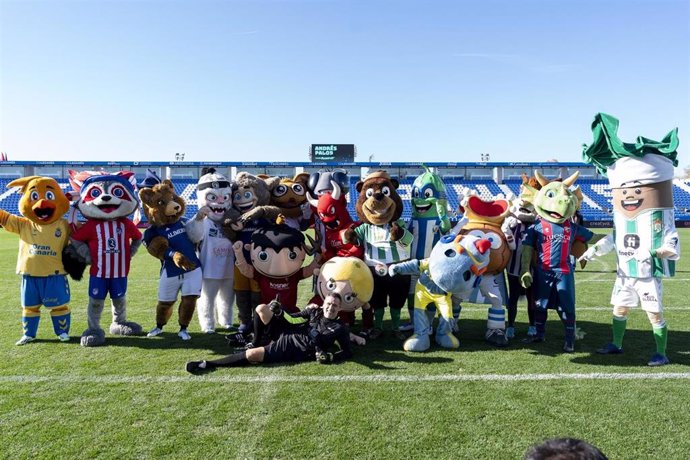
[
  {"x": 238, "y": 196},
  {"x": 349, "y": 298},
  {"x": 549, "y": 194},
  {"x": 331, "y": 210},
  {"x": 118, "y": 191},
  {"x": 50, "y": 195},
  {"x": 226, "y": 197},
  {"x": 386, "y": 191},
  {"x": 330, "y": 284},
  {"x": 34, "y": 196},
  {"x": 292, "y": 255},
  {"x": 369, "y": 193},
  {"x": 625, "y": 192},
  {"x": 638, "y": 191},
  {"x": 415, "y": 192},
  {"x": 95, "y": 192},
  {"x": 211, "y": 197},
  {"x": 467, "y": 275},
  {"x": 428, "y": 193},
  {"x": 279, "y": 190},
  {"x": 298, "y": 189},
  {"x": 160, "y": 202},
  {"x": 496, "y": 241},
  {"x": 263, "y": 255},
  {"x": 248, "y": 195}
]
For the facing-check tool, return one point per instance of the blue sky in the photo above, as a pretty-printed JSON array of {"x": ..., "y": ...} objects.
[{"x": 403, "y": 80}]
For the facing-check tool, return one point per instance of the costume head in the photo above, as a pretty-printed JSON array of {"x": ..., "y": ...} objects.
[
  {"x": 278, "y": 250},
  {"x": 42, "y": 201},
  {"x": 105, "y": 196},
  {"x": 484, "y": 222},
  {"x": 428, "y": 190},
  {"x": 521, "y": 207},
  {"x": 378, "y": 202},
  {"x": 250, "y": 191},
  {"x": 290, "y": 194},
  {"x": 215, "y": 191},
  {"x": 162, "y": 206},
  {"x": 350, "y": 278},
  {"x": 322, "y": 182},
  {"x": 456, "y": 261},
  {"x": 640, "y": 174},
  {"x": 331, "y": 209},
  {"x": 555, "y": 201}
]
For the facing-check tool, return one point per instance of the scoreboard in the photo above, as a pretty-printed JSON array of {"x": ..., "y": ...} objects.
[{"x": 340, "y": 153}]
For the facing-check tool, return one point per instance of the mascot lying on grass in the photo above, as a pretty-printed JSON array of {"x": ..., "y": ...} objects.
[
  {"x": 644, "y": 233},
  {"x": 110, "y": 240},
  {"x": 43, "y": 235},
  {"x": 166, "y": 239},
  {"x": 551, "y": 238},
  {"x": 455, "y": 266},
  {"x": 312, "y": 334}
]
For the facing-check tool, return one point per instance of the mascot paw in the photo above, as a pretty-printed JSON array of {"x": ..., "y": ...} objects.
[
  {"x": 125, "y": 328},
  {"x": 396, "y": 231},
  {"x": 447, "y": 341},
  {"x": 93, "y": 337},
  {"x": 183, "y": 262},
  {"x": 417, "y": 343}
]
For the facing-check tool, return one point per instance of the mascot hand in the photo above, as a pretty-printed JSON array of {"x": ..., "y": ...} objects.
[
  {"x": 589, "y": 254},
  {"x": 182, "y": 262},
  {"x": 348, "y": 236},
  {"x": 202, "y": 212},
  {"x": 392, "y": 269},
  {"x": 441, "y": 209},
  {"x": 526, "y": 280},
  {"x": 665, "y": 253},
  {"x": 396, "y": 231}
]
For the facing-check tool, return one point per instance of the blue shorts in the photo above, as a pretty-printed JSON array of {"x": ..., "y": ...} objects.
[
  {"x": 51, "y": 291},
  {"x": 554, "y": 289},
  {"x": 100, "y": 287}
]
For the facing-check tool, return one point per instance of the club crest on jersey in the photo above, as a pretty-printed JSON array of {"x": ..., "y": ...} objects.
[
  {"x": 657, "y": 225},
  {"x": 111, "y": 243},
  {"x": 58, "y": 233}
]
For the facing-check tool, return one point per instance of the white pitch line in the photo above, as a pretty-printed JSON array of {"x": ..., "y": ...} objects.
[
  {"x": 277, "y": 378},
  {"x": 667, "y": 308}
]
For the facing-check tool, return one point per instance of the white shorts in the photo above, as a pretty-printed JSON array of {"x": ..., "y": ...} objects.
[
  {"x": 189, "y": 283},
  {"x": 631, "y": 292}
]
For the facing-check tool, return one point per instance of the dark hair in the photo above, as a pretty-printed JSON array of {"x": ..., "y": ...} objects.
[
  {"x": 277, "y": 237},
  {"x": 564, "y": 449}
]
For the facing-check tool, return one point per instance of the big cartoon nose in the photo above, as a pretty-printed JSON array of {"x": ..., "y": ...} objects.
[
  {"x": 106, "y": 197},
  {"x": 172, "y": 208},
  {"x": 483, "y": 246},
  {"x": 378, "y": 196}
]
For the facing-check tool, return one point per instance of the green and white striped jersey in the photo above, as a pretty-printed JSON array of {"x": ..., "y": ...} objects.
[
  {"x": 638, "y": 239},
  {"x": 378, "y": 248}
]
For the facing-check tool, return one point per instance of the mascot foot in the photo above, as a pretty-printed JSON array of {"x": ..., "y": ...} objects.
[
  {"x": 496, "y": 337},
  {"x": 154, "y": 332},
  {"x": 448, "y": 341},
  {"x": 184, "y": 335},
  {"x": 658, "y": 360},
  {"x": 64, "y": 337},
  {"x": 569, "y": 347},
  {"x": 25, "y": 339},
  {"x": 417, "y": 343},
  {"x": 92, "y": 338},
  {"x": 609, "y": 349},
  {"x": 125, "y": 328}
]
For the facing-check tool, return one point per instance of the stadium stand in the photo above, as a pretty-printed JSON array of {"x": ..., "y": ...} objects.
[{"x": 596, "y": 206}]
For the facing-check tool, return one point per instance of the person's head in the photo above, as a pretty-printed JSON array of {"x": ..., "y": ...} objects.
[
  {"x": 331, "y": 306},
  {"x": 564, "y": 449}
]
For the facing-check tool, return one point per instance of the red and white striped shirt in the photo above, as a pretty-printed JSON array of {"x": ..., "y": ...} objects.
[{"x": 109, "y": 243}]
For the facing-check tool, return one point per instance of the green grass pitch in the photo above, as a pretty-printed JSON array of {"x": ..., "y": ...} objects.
[{"x": 132, "y": 399}]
